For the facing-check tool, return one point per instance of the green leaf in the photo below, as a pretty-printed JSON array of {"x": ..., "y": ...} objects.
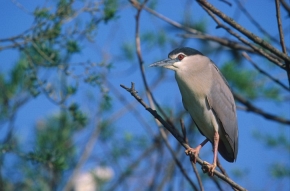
[
  {"x": 72, "y": 46},
  {"x": 110, "y": 9},
  {"x": 279, "y": 170},
  {"x": 240, "y": 79}
]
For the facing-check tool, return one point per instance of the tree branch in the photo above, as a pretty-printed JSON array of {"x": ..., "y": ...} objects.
[
  {"x": 252, "y": 108},
  {"x": 222, "y": 41},
  {"x": 176, "y": 134},
  {"x": 286, "y": 6},
  {"x": 281, "y": 35},
  {"x": 264, "y": 72},
  {"x": 280, "y": 28},
  {"x": 259, "y": 50},
  {"x": 244, "y": 31}
]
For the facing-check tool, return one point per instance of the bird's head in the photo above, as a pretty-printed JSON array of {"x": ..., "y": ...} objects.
[{"x": 177, "y": 58}]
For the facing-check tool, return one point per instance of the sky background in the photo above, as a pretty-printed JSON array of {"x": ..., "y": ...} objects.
[{"x": 253, "y": 157}]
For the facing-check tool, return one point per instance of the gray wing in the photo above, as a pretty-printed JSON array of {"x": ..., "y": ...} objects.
[{"x": 222, "y": 103}]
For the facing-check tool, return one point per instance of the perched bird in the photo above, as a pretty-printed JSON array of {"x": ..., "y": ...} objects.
[{"x": 208, "y": 99}]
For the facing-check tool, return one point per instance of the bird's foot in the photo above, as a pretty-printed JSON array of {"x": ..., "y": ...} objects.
[
  {"x": 193, "y": 153},
  {"x": 208, "y": 168}
]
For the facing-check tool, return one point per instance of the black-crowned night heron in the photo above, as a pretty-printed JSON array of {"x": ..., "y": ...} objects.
[{"x": 209, "y": 100}]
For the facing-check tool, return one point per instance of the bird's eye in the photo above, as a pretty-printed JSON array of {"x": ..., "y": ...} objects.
[{"x": 180, "y": 57}]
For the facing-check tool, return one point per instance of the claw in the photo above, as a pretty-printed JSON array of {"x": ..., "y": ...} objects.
[
  {"x": 208, "y": 168},
  {"x": 193, "y": 153}
]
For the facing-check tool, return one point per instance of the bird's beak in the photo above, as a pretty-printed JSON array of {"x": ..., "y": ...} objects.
[{"x": 164, "y": 63}]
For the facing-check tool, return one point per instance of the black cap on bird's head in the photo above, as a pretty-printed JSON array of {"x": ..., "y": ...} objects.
[{"x": 184, "y": 50}]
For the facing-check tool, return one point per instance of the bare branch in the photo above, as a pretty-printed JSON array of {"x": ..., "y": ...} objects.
[
  {"x": 286, "y": 6},
  {"x": 252, "y": 108},
  {"x": 84, "y": 156},
  {"x": 255, "y": 23},
  {"x": 241, "y": 29},
  {"x": 259, "y": 50},
  {"x": 197, "y": 175},
  {"x": 281, "y": 34},
  {"x": 264, "y": 72},
  {"x": 222, "y": 41},
  {"x": 183, "y": 131},
  {"x": 140, "y": 59},
  {"x": 173, "y": 23},
  {"x": 133, "y": 165},
  {"x": 176, "y": 134},
  {"x": 178, "y": 163}
]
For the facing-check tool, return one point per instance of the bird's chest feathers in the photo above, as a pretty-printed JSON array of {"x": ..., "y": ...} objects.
[{"x": 194, "y": 87}]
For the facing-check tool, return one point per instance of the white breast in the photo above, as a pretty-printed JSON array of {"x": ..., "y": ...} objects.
[{"x": 194, "y": 86}]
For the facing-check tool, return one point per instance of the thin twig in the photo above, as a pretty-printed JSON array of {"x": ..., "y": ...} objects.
[
  {"x": 255, "y": 23},
  {"x": 178, "y": 163},
  {"x": 222, "y": 41},
  {"x": 191, "y": 161},
  {"x": 257, "y": 49},
  {"x": 173, "y": 23},
  {"x": 176, "y": 134},
  {"x": 280, "y": 28},
  {"x": 264, "y": 72},
  {"x": 252, "y": 108},
  {"x": 286, "y": 6},
  {"x": 133, "y": 165},
  {"x": 183, "y": 131},
  {"x": 197, "y": 175},
  {"x": 281, "y": 35},
  {"x": 84, "y": 156},
  {"x": 244, "y": 31},
  {"x": 149, "y": 95}
]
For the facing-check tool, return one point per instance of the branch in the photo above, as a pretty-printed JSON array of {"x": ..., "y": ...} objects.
[
  {"x": 252, "y": 108},
  {"x": 280, "y": 28},
  {"x": 173, "y": 23},
  {"x": 139, "y": 56},
  {"x": 244, "y": 31},
  {"x": 191, "y": 161},
  {"x": 222, "y": 41},
  {"x": 257, "y": 49},
  {"x": 133, "y": 165},
  {"x": 176, "y": 134},
  {"x": 281, "y": 35},
  {"x": 264, "y": 72},
  {"x": 286, "y": 6},
  {"x": 254, "y": 22},
  {"x": 88, "y": 148},
  {"x": 178, "y": 163}
]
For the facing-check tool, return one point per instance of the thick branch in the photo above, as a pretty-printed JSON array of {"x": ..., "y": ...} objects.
[{"x": 176, "y": 134}]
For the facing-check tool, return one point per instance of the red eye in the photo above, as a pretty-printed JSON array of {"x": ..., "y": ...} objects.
[{"x": 180, "y": 57}]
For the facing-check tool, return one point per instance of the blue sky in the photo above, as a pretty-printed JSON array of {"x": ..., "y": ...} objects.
[{"x": 253, "y": 156}]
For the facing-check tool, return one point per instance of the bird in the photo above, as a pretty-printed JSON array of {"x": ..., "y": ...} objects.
[{"x": 208, "y": 99}]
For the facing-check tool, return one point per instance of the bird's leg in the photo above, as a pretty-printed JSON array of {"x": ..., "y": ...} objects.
[
  {"x": 193, "y": 152},
  {"x": 210, "y": 167}
]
